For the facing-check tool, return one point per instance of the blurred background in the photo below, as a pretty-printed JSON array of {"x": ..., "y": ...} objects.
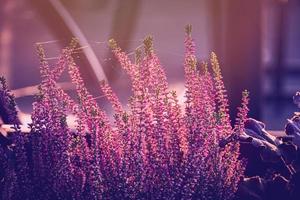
[{"x": 257, "y": 42}]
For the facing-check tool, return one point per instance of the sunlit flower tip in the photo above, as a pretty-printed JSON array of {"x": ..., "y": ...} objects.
[
  {"x": 188, "y": 30},
  {"x": 148, "y": 45},
  {"x": 112, "y": 44},
  {"x": 102, "y": 82},
  {"x": 246, "y": 94},
  {"x": 74, "y": 42},
  {"x": 242, "y": 111},
  {"x": 40, "y": 51},
  {"x": 213, "y": 59}
]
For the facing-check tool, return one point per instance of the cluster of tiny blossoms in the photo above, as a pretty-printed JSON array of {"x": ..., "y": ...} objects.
[{"x": 152, "y": 150}]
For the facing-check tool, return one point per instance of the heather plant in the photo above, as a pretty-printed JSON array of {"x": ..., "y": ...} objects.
[{"x": 155, "y": 149}]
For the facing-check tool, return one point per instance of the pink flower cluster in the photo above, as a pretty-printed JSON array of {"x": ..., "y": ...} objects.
[{"x": 153, "y": 150}]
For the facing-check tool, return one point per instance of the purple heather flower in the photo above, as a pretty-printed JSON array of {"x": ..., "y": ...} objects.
[{"x": 153, "y": 150}]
